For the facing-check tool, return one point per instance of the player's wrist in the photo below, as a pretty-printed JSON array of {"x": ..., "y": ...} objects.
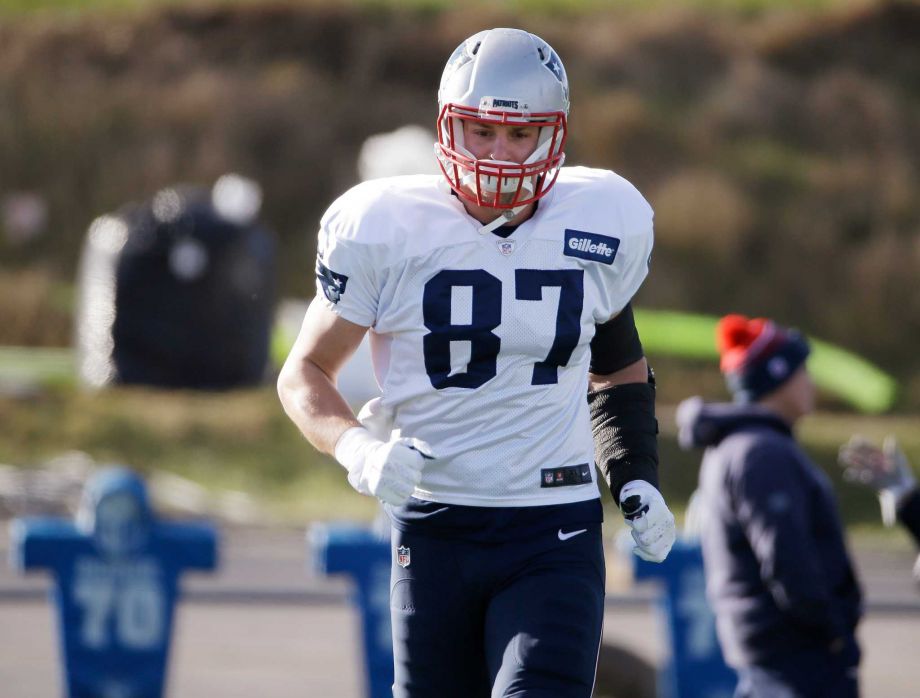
[
  {"x": 643, "y": 488},
  {"x": 353, "y": 447},
  {"x": 637, "y": 485}
]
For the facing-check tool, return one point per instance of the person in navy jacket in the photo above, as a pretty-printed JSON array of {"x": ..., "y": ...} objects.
[{"x": 778, "y": 574}]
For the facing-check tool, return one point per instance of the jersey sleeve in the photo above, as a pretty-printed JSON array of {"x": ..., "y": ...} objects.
[
  {"x": 346, "y": 278},
  {"x": 639, "y": 238},
  {"x": 638, "y": 266},
  {"x": 634, "y": 223}
]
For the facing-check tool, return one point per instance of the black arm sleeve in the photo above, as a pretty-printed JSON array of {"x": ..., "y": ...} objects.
[
  {"x": 616, "y": 343},
  {"x": 625, "y": 433}
]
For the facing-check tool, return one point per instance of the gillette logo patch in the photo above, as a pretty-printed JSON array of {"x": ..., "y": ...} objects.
[{"x": 597, "y": 248}]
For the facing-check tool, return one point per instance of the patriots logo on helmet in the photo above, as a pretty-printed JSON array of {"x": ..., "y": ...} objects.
[{"x": 555, "y": 66}]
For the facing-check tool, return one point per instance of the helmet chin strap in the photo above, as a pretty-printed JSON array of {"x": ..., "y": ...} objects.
[
  {"x": 507, "y": 215},
  {"x": 504, "y": 218}
]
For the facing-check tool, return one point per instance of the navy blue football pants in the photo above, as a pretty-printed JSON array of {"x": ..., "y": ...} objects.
[{"x": 513, "y": 618}]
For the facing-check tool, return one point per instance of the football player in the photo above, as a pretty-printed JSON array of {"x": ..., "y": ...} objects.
[{"x": 497, "y": 298}]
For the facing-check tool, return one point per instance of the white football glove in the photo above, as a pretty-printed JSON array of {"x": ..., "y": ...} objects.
[
  {"x": 650, "y": 521},
  {"x": 377, "y": 418},
  {"x": 886, "y": 470},
  {"x": 388, "y": 470}
]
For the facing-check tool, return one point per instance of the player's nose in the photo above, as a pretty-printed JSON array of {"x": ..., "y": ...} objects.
[{"x": 500, "y": 148}]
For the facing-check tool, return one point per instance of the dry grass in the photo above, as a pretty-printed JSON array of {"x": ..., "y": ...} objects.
[
  {"x": 238, "y": 440},
  {"x": 35, "y": 308}
]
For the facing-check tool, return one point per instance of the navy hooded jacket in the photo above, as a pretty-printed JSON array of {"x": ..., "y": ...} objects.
[{"x": 778, "y": 574}]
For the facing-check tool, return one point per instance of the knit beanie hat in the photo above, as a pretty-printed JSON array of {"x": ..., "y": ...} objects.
[{"x": 757, "y": 355}]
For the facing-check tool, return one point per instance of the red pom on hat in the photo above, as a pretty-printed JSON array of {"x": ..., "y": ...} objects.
[
  {"x": 757, "y": 355},
  {"x": 734, "y": 336}
]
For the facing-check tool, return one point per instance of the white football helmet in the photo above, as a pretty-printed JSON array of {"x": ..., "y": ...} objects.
[{"x": 502, "y": 77}]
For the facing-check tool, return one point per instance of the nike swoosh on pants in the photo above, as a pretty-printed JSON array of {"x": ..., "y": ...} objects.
[{"x": 571, "y": 534}]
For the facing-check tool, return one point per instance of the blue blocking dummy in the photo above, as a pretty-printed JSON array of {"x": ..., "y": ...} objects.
[
  {"x": 116, "y": 570},
  {"x": 363, "y": 556},
  {"x": 696, "y": 668}
]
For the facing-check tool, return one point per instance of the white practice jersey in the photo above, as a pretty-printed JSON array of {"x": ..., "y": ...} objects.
[{"x": 480, "y": 343}]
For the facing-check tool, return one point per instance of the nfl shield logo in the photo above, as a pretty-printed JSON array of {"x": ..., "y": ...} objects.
[
  {"x": 548, "y": 478},
  {"x": 506, "y": 247},
  {"x": 402, "y": 556}
]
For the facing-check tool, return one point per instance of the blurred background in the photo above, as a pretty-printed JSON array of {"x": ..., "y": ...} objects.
[{"x": 775, "y": 139}]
